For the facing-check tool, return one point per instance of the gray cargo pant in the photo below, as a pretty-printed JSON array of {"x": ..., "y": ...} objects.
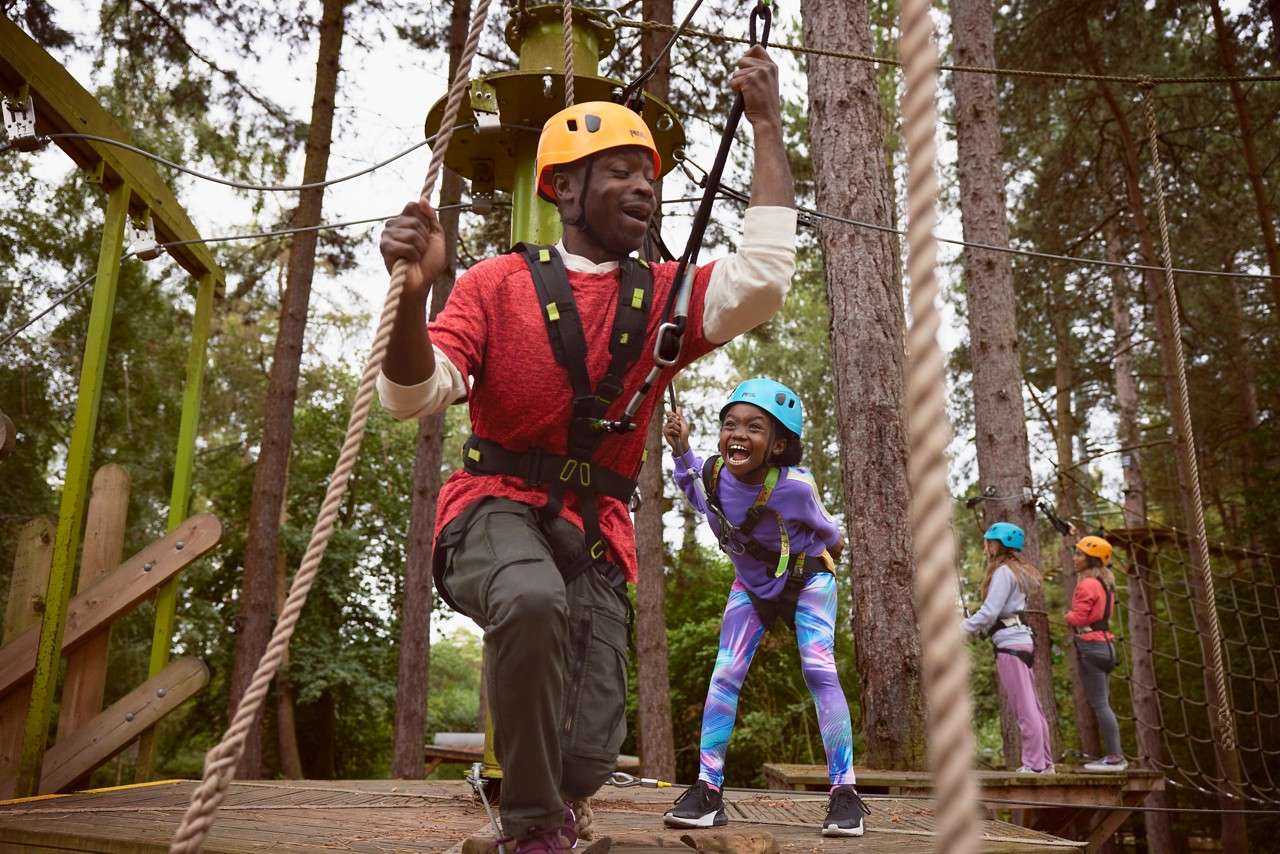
[{"x": 555, "y": 658}]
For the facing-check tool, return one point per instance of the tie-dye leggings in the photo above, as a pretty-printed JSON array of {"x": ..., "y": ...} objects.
[{"x": 740, "y": 635}]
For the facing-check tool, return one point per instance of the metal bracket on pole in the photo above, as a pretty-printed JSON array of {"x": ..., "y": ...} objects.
[
  {"x": 141, "y": 236},
  {"x": 482, "y": 186},
  {"x": 20, "y": 124}
]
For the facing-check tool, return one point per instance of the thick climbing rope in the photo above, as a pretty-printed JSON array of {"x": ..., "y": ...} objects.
[
  {"x": 220, "y": 761},
  {"x": 568, "y": 52},
  {"x": 1226, "y": 725},
  {"x": 946, "y": 675}
]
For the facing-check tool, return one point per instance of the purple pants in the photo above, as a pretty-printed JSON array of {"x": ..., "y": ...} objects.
[{"x": 1019, "y": 684}]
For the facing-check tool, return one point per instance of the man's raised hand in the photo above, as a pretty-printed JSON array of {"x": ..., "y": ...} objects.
[{"x": 416, "y": 236}]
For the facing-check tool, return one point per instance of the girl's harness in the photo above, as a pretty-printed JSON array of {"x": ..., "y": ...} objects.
[{"x": 738, "y": 539}]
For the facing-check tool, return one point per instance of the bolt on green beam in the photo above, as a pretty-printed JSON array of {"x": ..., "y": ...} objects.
[
  {"x": 166, "y": 603},
  {"x": 75, "y": 489}
]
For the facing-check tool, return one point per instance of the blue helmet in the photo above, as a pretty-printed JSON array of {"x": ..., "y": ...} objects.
[
  {"x": 774, "y": 398},
  {"x": 1007, "y": 533}
]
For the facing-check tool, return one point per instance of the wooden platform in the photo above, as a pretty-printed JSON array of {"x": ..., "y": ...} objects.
[
  {"x": 405, "y": 816},
  {"x": 1070, "y": 803}
]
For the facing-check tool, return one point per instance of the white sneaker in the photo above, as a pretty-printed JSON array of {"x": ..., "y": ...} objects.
[
  {"x": 1107, "y": 765},
  {"x": 1027, "y": 769}
]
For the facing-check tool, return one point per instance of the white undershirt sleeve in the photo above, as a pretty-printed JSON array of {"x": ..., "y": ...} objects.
[
  {"x": 428, "y": 397},
  {"x": 748, "y": 287}
]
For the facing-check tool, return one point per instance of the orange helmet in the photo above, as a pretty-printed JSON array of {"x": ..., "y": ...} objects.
[
  {"x": 588, "y": 128},
  {"x": 1095, "y": 547}
]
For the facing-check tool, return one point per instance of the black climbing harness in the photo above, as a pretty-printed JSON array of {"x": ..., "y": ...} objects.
[
  {"x": 1027, "y": 658},
  {"x": 1104, "y": 624},
  {"x": 1018, "y": 618},
  {"x": 738, "y": 539},
  {"x": 575, "y": 471}
]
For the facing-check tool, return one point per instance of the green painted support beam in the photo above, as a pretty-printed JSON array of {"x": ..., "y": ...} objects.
[
  {"x": 66, "y": 543},
  {"x": 166, "y": 603},
  {"x": 64, "y": 106}
]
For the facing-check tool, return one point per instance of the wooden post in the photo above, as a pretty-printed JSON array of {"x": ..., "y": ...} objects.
[
  {"x": 26, "y": 601},
  {"x": 86, "y": 678},
  {"x": 179, "y": 497},
  {"x": 71, "y": 511}
]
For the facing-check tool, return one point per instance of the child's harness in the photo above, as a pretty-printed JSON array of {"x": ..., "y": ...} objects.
[{"x": 737, "y": 539}]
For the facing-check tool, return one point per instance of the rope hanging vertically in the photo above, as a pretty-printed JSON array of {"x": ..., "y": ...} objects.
[
  {"x": 1226, "y": 725},
  {"x": 568, "y": 52},
  {"x": 946, "y": 675},
  {"x": 220, "y": 762}
]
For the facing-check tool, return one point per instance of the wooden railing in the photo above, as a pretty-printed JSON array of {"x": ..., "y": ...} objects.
[{"x": 108, "y": 589}]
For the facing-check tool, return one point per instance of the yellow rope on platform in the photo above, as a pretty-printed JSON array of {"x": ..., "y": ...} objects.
[
  {"x": 221, "y": 760},
  {"x": 946, "y": 674}
]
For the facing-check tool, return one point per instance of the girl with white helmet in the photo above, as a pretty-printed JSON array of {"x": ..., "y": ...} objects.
[
  {"x": 1089, "y": 617},
  {"x": 1009, "y": 580},
  {"x": 765, "y": 511}
]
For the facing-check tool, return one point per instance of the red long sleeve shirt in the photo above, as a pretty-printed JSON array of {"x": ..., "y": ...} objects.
[{"x": 1088, "y": 604}]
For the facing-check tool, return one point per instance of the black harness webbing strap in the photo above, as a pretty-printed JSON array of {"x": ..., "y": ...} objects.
[
  {"x": 1103, "y": 625},
  {"x": 485, "y": 457},
  {"x": 574, "y": 471},
  {"x": 1027, "y": 658},
  {"x": 730, "y": 535}
]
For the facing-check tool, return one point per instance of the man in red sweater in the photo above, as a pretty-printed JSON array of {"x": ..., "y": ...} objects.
[{"x": 533, "y": 537}]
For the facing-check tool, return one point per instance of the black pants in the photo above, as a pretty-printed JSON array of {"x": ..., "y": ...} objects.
[{"x": 555, "y": 657}]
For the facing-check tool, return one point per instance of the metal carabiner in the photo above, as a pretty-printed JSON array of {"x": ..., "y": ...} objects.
[
  {"x": 761, "y": 9},
  {"x": 623, "y": 780}
]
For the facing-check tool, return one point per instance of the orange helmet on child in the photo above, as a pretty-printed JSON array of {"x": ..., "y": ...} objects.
[
  {"x": 585, "y": 129},
  {"x": 1095, "y": 547}
]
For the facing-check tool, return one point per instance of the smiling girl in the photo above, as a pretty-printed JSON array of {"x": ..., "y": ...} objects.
[{"x": 767, "y": 516}]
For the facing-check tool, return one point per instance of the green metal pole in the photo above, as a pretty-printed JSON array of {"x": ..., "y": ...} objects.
[
  {"x": 532, "y": 219},
  {"x": 179, "y": 498},
  {"x": 66, "y": 544},
  {"x": 542, "y": 48}
]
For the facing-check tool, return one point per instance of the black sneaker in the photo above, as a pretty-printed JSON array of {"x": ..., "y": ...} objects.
[
  {"x": 844, "y": 813},
  {"x": 699, "y": 806}
]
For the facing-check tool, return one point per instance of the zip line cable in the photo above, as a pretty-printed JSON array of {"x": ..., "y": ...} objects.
[
  {"x": 732, "y": 194},
  {"x": 261, "y": 235},
  {"x": 1135, "y": 80},
  {"x": 263, "y": 188}
]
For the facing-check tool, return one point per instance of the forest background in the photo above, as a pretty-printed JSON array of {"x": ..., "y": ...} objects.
[{"x": 224, "y": 86}]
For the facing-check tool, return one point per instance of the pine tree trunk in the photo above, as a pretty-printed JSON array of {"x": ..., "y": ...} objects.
[
  {"x": 1004, "y": 466},
  {"x": 414, "y": 667},
  {"x": 1143, "y": 691},
  {"x": 653, "y": 688},
  {"x": 1234, "y": 837},
  {"x": 286, "y": 723},
  {"x": 1253, "y": 167},
  {"x": 864, "y": 288},
  {"x": 1273, "y": 10},
  {"x": 257, "y": 592},
  {"x": 1068, "y": 500}
]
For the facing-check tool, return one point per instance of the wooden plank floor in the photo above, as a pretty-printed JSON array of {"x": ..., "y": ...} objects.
[{"x": 405, "y": 816}]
